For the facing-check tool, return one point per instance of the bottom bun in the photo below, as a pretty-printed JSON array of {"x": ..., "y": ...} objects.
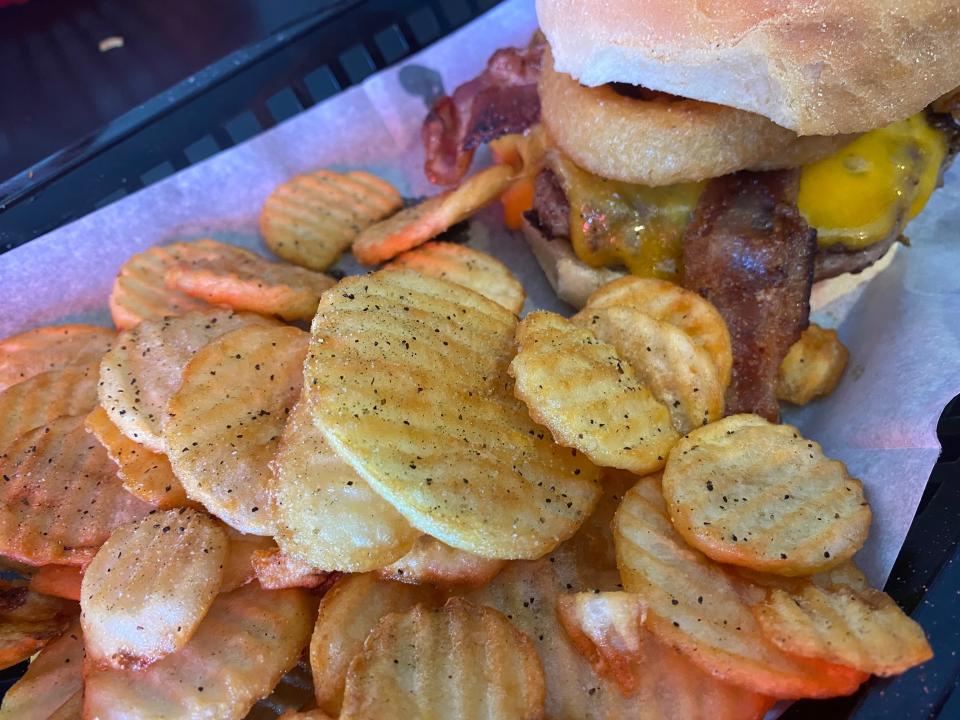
[{"x": 574, "y": 281}]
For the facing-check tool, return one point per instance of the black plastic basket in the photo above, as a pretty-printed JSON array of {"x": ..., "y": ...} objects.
[{"x": 255, "y": 88}]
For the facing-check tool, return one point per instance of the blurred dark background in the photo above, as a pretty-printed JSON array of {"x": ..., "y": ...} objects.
[{"x": 64, "y": 72}]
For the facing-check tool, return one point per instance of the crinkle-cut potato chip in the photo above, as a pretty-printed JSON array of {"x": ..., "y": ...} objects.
[
  {"x": 140, "y": 291},
  {"x": 311, "y": 219},
  {"x": 227, "y": 418},
  {"x": 607, "y": 629},
  {"x": 61, "y": 497},
  {"x": 238, "y": 568},
  {"x": 417, "y": 224},
  {"x": 667, "y": 684},
  {"x": 149, "y": 587},
  {"x": 431, "y": 561},
  {"x": 697, "y": 608},
  {"x": 249, "y": 638},
  {"x": 51, "y": 348},
  {"x": 326, "y": 513},
  {"x": 276, "y": 570},
  {"x": 62, "y": 581},
  {"x": 28, "y": 620},
  {"x": 859, "y": 628},
  {"x": 667, "y": 301},
  {"x": 459, "y": 661},
  {"x": 465, "y": 266},
  {"x": 678, "y": 372},
  {"x": 144, "y": 473},
  {"x": 293, "y": 692},
  {"x": 588, "y": 396},
  {"x": 813, "y": 366},
  {"x": 53, "y": 681},
  {"x": 407, "y": 379},
  {"x": 145, "y": 366},
  {"x": 348, "y": 612},
  {"x": 764, "y": 497},
  {"x": 45, "y": 397},
  {"x": 237, "y": 278}
]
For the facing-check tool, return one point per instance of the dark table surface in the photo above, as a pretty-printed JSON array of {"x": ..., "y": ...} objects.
[{"x": 57, "y": 86}]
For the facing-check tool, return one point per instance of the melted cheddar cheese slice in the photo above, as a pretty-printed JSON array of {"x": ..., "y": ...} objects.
[{"x": 855, "y": 197}]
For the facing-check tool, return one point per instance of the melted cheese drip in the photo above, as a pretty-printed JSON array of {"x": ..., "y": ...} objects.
[{"x": 856, "y": 197}]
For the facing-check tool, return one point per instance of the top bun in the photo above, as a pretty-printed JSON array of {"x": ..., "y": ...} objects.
[{"x": 817, "y": 67}]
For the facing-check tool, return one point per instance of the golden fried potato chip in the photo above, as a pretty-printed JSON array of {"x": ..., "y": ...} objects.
[
  {"x": 415, "y": 225},
  {"x": 764, "y": 497},
  {"x": 52, "y": 683},
  {"x": 236, "y": 278},
  {"x": 238, "y": 568},
  {"x": 465, "y": 266},
  {"x": 45, "y": 397},
  {"x": 61, "y": 497},
  {"x": 697, "y": 608},
  {"x": 588, "y": 396},
  {"x": 607, "y": 629},
  {"x": 813, "y": 366},
  {"x": 667, "y": 301},
  {"x": 326, "y": 513},
  {"x": 51, "y": 348},
  {"x": 28, "y": 620},
  {"x": 407, "y": 379},
  {"x": 678, "y": 372},
  {"x": 459, "y": 661},
  {"x": 666, "y": 684},
  {"x": 140, "y": 291},
  {"x": 306, "y": 715},
  {"x": 62, "y": 581},
  {"x": 145, "y": 367},
  {"x": 276, "y": 570},
  {"x": 150, "y": 585},
  {"x": 311, "y": 219},
  {"x": 247, "y": 641},
  {"x": 144, "y": 473},
  {"x": 227, "y": 417},
  {"x": 348, "y": 612},
  {"x": 859, "y": 628},
  {"x": 291, "y": 694},
  {"x": 431, "y": 561}
]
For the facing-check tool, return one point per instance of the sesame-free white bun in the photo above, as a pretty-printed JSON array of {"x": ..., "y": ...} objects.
[{"x": 817, "y": 67}]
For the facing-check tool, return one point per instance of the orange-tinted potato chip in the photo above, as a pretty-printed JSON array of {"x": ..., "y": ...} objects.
[
  {"x": 247, "y": 641},
  {"x": 144, "y": 473},
  {"x": 236, "y": 278},
  {"x": 50, "y": 348},
  {"x": 62, "y": 581},
  {"x": 431, "y": 561},
  {"x": 140, "y": 291},
  {"x": 227, "y": 419},
  {"x": 28, "y": 620},
  {"x": 459, "y": 661},
  {"x": 695, "y": 606},
  {"x": 53, "y": 683},
  {"x": 61, "y": 497},
  {"x": 347, "y": 615},
  {"x": 44, "y": 397},
  {"x": 276, "y": 570},
  {"x": 311, "y": 219},
  {"x": 415, "y": 225},
  {"x": 149, "y": 587},
  {"x": 813, "y": 366},
  {"x": 667, "y": 301}
]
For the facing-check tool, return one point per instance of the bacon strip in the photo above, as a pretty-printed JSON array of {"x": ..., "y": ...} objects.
[
  {"x": 750, "y": 253},
  {"x": 502, "y": 99}
]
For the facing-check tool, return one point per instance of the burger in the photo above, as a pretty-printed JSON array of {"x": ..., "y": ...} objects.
[{"x": 744, "y": 150}]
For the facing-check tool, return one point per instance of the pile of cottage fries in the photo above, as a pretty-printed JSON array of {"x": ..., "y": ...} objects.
[{"x": 424, "y": 507}]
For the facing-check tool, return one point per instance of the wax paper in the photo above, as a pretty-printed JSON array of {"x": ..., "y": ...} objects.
[{"x": 902, "y": 329}]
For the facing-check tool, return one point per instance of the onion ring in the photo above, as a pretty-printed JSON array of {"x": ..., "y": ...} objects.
[{"x": 658, "y": 139}]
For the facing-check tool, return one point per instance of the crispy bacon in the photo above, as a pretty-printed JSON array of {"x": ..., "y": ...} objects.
[
  {"x": 750, "y": 253},
  {"x": 502, "y": 99}
]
